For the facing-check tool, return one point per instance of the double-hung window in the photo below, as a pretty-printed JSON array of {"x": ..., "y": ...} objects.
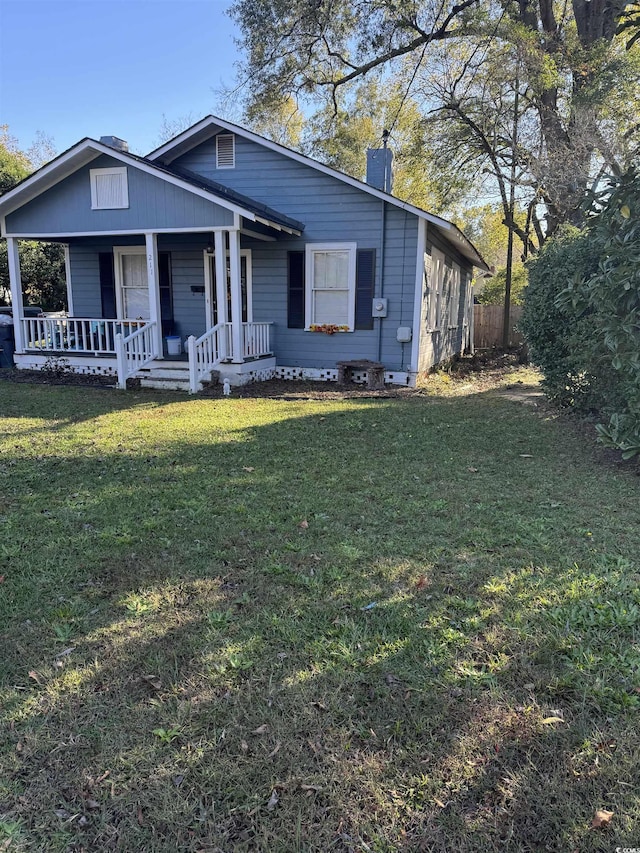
[{"x": 330, "y": 284}]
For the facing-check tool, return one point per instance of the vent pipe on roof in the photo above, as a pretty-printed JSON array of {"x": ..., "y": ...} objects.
[{"x": 115, "y": 142}]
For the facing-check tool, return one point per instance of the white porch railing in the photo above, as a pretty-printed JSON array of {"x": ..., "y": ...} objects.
[
  {"x": 216, "y": 345},
  {"x": 76, "y": 334},
  {"x": 256, "y": 339},
  {"x": 207, "y": 351},
  {"x": 134, "y": 351}
]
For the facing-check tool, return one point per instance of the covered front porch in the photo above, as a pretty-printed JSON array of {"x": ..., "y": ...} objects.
[{"x": 137, "y": 324}]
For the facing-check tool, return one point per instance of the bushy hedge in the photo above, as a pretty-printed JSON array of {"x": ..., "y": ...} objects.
[{"x": 581, "y": 315}]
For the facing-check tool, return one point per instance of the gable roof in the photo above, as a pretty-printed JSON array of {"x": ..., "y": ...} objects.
[
  {"x": 210, "y": 125},
  {"x": 87, "y": 150}
]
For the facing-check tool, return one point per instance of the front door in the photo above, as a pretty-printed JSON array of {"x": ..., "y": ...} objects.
[{"x": 214, "y": 315}]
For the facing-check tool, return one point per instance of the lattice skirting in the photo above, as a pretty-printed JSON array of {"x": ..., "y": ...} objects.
[
  {"x": 317, "y": 374},
  {"x": 99, "y": 367}
]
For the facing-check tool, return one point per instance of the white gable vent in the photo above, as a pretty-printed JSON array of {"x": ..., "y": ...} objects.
[
  {"x": 225, "y": 151},
  {"x": 109, "y": 188}
]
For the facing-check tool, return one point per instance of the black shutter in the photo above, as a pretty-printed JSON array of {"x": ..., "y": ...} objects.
[
  {"x": 295, "y": 284},
  {"x": 107, "y": 286},
  {"x": 365, "y": 281},
  {"x": 166, "y": 296}
]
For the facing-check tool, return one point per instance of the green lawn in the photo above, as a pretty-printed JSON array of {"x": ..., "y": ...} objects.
[{"x": 281, "y": 625}]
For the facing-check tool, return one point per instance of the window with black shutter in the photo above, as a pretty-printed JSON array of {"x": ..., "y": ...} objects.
[
  {"x": 107, "y": 286},
  {"x": 365, "y": 282},
  {"x": 295, "y": 289}
]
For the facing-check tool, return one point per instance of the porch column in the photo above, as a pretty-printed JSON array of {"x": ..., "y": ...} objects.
[
  {"x": 236, "y": 296},
  {"x": 153, "y": 278},
  {"x": 67, "y": 273},
  {"x": 15, "y": 282},
  {"x": 220, "y": 259}
]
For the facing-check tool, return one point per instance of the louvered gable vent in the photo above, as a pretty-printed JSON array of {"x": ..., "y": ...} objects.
[
  {"x": 225, "y": 151},
  {"x": 109, "y": 189}
]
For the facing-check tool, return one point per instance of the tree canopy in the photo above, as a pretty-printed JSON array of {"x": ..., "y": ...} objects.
[
  {"x": 542, "y": 95},
  {"x": 41, "y": 264}
]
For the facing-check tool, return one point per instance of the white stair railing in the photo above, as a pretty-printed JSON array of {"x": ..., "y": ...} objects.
[
  {"x": 206, "y": 352},
  {"x": 134, "y": 351}
]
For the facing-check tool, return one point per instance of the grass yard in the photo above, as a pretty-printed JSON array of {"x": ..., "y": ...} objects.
[{"x": 277, "y": 625}]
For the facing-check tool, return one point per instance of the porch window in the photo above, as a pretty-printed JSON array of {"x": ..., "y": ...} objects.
[
  {"x": 109, "y": 188},
  {"x": 330, "y": 284},
  {"x": 133, "y": 283}
]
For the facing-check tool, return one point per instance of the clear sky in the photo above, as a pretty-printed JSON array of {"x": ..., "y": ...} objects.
[{"x": 76, "y": 68}]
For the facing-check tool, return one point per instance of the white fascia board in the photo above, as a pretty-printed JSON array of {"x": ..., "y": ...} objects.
[
  {"x": 65, "y": 235},
  {"x": 198, "y": 133},
  {"x": 55, "y": 172}
]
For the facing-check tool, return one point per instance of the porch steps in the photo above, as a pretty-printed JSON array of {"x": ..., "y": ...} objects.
[{"x": 167, "y": 376}]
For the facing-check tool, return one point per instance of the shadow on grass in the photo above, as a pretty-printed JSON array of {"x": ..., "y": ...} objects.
[{"x": 216, "y": 587}]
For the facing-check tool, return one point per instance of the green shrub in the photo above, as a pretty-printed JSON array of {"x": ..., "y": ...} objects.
[
  {"x": 581, "y": 314},
  {"x": 560, "y": 337}
]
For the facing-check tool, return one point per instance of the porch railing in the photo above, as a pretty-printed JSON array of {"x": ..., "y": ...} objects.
[
  {"x": 216, "y": 345},
  {"x": 76, "y": 334},
  {"x": 134, "y": 351},
  {"x": 256, "y": 340},
  {"x": 207, "y": 351}
]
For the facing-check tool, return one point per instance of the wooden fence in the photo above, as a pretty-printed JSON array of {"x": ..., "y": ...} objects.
[{"x": 487, "y": 320}]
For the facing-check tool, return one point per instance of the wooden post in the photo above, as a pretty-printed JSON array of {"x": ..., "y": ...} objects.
[
  {"x": 236, "y": 297},
  {"x": 15, "y": 281},
  {"x": 151, "y": 241}
]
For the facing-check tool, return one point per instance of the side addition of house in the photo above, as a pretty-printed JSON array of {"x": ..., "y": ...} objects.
[{"x": 224, "y": 254}]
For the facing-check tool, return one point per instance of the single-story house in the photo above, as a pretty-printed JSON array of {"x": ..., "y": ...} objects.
[{"x": 224, "y": 252}]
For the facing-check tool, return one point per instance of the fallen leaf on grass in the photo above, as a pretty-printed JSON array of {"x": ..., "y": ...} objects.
[
  {"x": 274, "y": 799},
  {"x": 310, "y": 789},
  {"x": 276, "y": 749},
  {"x": 1, "y": 578},
  {"x": 36, "y": 677},
  {"x": 548, "y": 721},
  {"x": 261, "y": 730},
  {"x": 304, "y": 524},
  {"x": 152, "y": 681},
  {"x": 248, "y": 468},
  {"x": 140, "y": 816},
  {"x": 422, "y": 582},
  {"x": 601, "y": 819},
  {"x": 244, "y": 746},
  {"x": 472, "y": 470}
]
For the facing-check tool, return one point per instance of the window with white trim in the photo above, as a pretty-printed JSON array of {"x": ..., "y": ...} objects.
[
  {"x": 225, "y": 151},
  {"x": 330, "y": 284},
  {"x": 132, "y": 282},
  {"x": 109, "y": 188}
]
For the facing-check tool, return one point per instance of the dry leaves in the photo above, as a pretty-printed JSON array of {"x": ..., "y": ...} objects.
[
  {"x": 304, "y": 524},
  {"x": 248, "y": 468},
  {"x": 261, "y": 730},
  {"x": 601, "y": 819},
  {"x": 548, "y": 721},
  {"x": 274, "y": 799}
]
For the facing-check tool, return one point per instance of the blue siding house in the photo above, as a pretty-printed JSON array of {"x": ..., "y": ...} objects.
[{"x": 224, "y": 254}]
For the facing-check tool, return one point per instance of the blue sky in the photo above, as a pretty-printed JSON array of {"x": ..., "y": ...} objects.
[{"x": 75, "y": 68}]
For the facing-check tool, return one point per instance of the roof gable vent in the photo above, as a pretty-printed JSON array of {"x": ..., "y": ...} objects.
[
  {"x": 225, "y": 151},
  {"x": 115, "y": 142}
]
